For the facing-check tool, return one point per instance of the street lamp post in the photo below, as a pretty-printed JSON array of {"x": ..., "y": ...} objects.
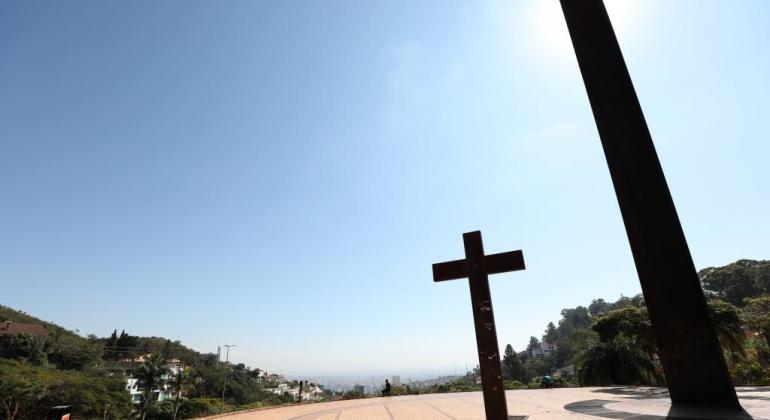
[{"x": 224, "y": 386}]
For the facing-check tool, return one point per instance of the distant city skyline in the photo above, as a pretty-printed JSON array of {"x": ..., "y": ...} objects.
[{"x": 281, "y": 176}]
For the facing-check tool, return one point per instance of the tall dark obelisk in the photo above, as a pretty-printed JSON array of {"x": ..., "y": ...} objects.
[{"x": 689, "y": 350}]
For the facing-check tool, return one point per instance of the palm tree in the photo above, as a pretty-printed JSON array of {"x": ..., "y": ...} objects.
[
  {"x": 618, "y": 361},
  {"x": 180, "y": 380},
  {"x": 625, "y": 351},
  {"x": 627, "y": 347},
  {"x": 728, "y": 326},
  {"x": 149, "y": 377}
]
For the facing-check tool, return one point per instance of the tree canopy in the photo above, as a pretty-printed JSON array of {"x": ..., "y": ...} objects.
[
  {"x": 614, "y": 343},
  {"x": 737, "y": 281}
]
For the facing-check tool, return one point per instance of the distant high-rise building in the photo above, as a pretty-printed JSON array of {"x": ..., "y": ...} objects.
[
  {"x": 359, "y": 389},
  {"x": 395, "y": 380}
]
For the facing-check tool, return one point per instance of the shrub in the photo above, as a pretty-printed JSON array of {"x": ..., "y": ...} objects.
[
  {"x": 536, "y": 382},
  {"x": 200, "y": 407},
  {"x": 513, "y": 385},
  {"x": 351, "y": 395},
  {"x": 252, "y": 406}
]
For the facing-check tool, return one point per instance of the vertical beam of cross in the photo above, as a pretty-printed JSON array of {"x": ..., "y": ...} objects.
[
  {"x": 689, "y": 350},
  {"x": 476, "y": 267},
  {"x": 486, "y": 333}
]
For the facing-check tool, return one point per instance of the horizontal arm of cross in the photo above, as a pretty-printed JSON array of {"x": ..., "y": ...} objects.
[{"x": 494, "y": 263}]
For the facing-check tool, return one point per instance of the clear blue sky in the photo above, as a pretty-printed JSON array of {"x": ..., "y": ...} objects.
[{"x": 282, "y": 175}]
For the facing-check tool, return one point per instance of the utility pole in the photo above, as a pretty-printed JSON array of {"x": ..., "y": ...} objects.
[
  {"x": 300, "y": 391},
  {"x": 224, "y": 386}
]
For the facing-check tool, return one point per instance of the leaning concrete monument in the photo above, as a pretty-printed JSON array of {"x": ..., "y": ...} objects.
[{"x": 689, "y": 350}]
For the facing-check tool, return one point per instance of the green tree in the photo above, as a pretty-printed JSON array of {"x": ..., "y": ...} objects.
[
  {"x": 90, "y": 394},
  {"x": 179, "y": 381},
  {"x": 534, "y": 343},
  {"x": 551, "y": 335},
  {"x": 243, "y": 386},
  {"x": 512, "y": 367},
  {"x": 615, "y": 362},
  {"x": 757, "y": 315},
  {"x": 728, "y": 325},
  {"x": 24, "y": 347},
  {"x": 762, "y": 276},
  {"x": 737, "y": 281},
  {"x": 168, "y": 349},
  {"x": 27, "y": 392},
  {"x": 627, "y": 347},
  {"x": 631, "y": 322},
  {"x": 538, "y": 367},
  {"x": 568, "y": 347},
  {"x": 75, "y": 353},
  {"x": 638, "y": 301},
  {"x": 622, "y": 302},
  {"x": 598, "y": 307},
  {"x": 624, "y": 352},
  {"x": 110, "y": 351},
  {"x": 20, "y": 393},
  {"x": 573, "y": 319},
  {"x": 126, "y": 345},
  {"x": 167, "y": 352}
]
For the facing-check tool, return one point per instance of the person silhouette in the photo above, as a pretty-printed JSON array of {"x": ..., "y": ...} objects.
[
  {"x": 386, "y": 391},
  {"x": 547, "y": 381}
]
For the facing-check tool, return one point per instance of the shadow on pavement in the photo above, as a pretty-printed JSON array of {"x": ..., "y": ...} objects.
[
  {"x": 597, "y": 408},
  {"x": 634, "y": 392},
  {"x": 687, "y": 412}
]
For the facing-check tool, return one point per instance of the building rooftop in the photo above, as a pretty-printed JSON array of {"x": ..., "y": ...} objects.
[{"x": 13, "y": 328}]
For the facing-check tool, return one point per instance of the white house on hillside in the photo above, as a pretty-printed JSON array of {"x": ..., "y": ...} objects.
[
  {"x": 311, "y": 393},
  {"x": 163, "y": 392},
  {"x": 545, "y": 349}
]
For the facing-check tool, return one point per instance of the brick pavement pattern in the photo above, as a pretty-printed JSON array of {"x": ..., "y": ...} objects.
[{"x": 648, "y": 403}]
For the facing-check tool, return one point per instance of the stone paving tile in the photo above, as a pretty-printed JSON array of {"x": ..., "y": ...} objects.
[
  {"x": 535, "y": 404},
  {"x": 414, "y": 410},
  {"x": 332, "y": 416},
  {"x": 456, "y": 408},
  {"x": 366, "y": 413}
]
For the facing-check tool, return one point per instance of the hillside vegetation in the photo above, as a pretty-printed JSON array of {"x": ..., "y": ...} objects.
[
  {"x": 607, "y": 342},
  {"x": 90, "y": 373}
]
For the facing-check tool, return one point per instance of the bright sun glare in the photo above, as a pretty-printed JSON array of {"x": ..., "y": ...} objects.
[{"x": 552, "y": 35}]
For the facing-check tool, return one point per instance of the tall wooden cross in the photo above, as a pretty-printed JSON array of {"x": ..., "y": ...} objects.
[{"x": 476, "y": 267}]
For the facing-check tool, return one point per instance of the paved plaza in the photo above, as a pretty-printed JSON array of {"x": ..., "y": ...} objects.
[{"x": 561, "y": 403}]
